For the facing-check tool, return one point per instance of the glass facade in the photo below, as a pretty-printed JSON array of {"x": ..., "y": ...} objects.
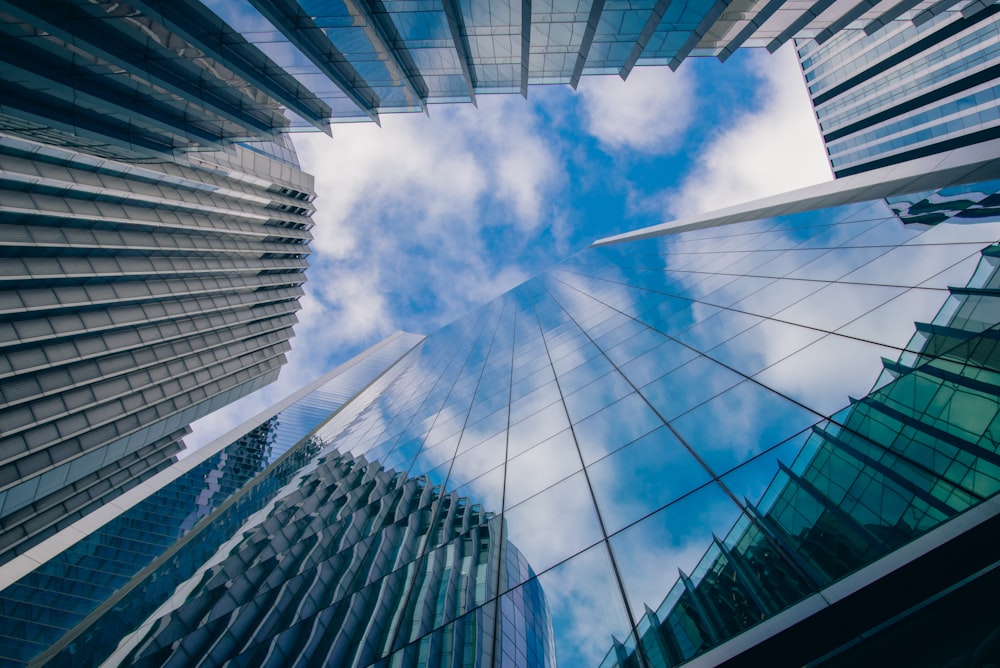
[
  {"x": 205, "y": 75},
  {"x": 140, "y": 82},
  {"x": 913, "y": 453},
  {"x": 365, "y": 58},
  {"x": 653, "y": 448},
  {"x": 489, "y": 46},
  {"x": 902, "y": 89},
  {"x": 653, "y": 452}
]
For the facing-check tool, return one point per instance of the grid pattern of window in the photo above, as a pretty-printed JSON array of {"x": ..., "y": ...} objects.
[
  {"x": 133, "y": 300},
  {"x": 202, "y": 78},
  {"x": 896, "y": 463},
  {"x": 906, "y": 89},
  {"x": 686, "y": 422},
  {"x": 344, "y": 60}
]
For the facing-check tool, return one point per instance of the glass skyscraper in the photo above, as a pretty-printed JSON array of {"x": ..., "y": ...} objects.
[
  {"x": 900, "y": 89},
  {"x": 366, "y": 58},
  {"x": 251, "y": 68},
  {"x": 140, "y": 527},
  {"x": 140, "y": 81},
  {"x": 757, "y": 434}
]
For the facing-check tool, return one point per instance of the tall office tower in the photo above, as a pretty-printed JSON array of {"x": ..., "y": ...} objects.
[
  {"x": 135, "y": 299},
  {"x": 776, "y": 424},
  {"x": 149, "y": 78},
  {"x": 140, "y": 81},
  {"x": 924, "y": 83},
  {"x": 306, "y": 585},
  {"x": 888, "y": 469},
  {"x": 153, "y": 231}
]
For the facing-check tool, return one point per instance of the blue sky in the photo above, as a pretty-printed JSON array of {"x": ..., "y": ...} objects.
[{"x": 428, "y": 216}]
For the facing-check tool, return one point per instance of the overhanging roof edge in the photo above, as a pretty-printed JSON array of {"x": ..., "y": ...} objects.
[{"x": 202, "y": 28}]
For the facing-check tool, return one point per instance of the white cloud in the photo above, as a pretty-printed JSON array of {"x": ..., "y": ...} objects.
[
  {"x": 647, "y": 113},
  {"x": 412, "y": 213},
  {"x": 408, "y": 222},
  {"x": 436, "y": 172},
  {"x": 769, "y": 151}
]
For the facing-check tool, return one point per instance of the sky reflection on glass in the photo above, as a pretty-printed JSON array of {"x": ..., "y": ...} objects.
[
  {"x": 664, "y": 430},
  {"x": 741, "y": 338}
]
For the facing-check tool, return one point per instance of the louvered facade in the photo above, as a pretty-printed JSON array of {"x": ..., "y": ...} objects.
[{"x": 134, "y": 299}]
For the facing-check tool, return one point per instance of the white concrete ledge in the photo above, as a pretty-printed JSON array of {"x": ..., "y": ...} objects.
[{"x": 969, "y": 164}]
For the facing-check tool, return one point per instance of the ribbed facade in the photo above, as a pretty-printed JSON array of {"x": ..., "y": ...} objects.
[
  {"x": 134, "y": 299},
  {"x": 898, "y": 90},
  {"x": 154, "y": 229},
  {"x": 357, "y": 562},
  {"x": 335, "y": 560}
]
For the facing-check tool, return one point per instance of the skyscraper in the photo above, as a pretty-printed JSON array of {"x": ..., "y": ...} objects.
[
  {"x": 748, "y": 420},
  {"x": 893, "y": 466},
  {"x": 141, "y": 526},
  {"x": 136, "y": 299},
  {"x": 349, "y": 536},
  {"x": 140, "y": 81},
  {"x": 345, "y": 60},
  {"x": 154, "y": 227},
  {"x": 307, "y": 585},
  {"x": 148, "y": 79},
  {"x": 371, "y": 57},
  {"x": 925, "y": 82}
]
